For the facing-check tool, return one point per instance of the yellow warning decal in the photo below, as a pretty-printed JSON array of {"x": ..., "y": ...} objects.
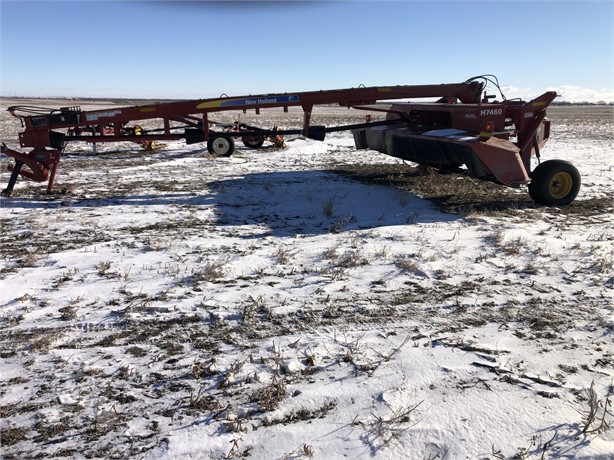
[
  {"x": 538, "y": 104},
  {"x": 209, "y": 104},
  {"x": 148, "y": 109},
  {"x": 384, "y": 90}
]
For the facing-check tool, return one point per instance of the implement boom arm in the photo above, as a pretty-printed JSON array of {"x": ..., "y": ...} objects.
[{"x": 47, "y": 132}]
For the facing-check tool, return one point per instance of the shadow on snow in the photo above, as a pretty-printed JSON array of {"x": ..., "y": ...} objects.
[
  {"x": 278, "y": 204},
  {"x": 316, "y": 202}
]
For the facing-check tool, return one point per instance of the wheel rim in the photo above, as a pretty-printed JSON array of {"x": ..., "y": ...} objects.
[
  {"x": 560, "y": 185},
  {"x": 221, "y": 146}
]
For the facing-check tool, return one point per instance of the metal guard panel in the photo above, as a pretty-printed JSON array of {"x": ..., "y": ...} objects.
[
  {"x": 493, "y": 159},
  {"x": 503, "y": 159}
]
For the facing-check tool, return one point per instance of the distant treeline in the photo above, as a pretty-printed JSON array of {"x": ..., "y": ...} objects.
[
  {"x": 113, "y": 100},
  {"x": 581, "y": 103}
]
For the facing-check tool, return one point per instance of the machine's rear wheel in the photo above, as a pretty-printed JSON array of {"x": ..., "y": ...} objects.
[
  {"x": 554, "y": 183},
  {"x": 221, "y": 146},
  {"x": 252, "y": 142}
]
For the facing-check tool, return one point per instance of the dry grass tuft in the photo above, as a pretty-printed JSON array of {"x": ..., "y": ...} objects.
[
  {"x": 598, "y": 415},
  {"x": 328, "y": 208},
  {"x": 212, "y": 271},
  {"x": 284, "y": 255},
  {"x": 407, "y": 264},
  {"x": 269, "y": 396}
]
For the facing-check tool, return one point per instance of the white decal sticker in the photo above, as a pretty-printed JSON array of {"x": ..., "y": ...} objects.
[
  {"x": 96, "y": 116},
  {"x": 491, "y": 112}
]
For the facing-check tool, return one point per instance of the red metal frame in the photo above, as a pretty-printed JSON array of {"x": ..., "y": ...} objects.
[
  {"x": 491, "y": 125},
  {"x": 111, "y": 125},
  {"x": 497, "y": 140}
]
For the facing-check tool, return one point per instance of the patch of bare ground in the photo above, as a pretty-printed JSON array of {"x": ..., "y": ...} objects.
[{"x": 458, "y": 193}]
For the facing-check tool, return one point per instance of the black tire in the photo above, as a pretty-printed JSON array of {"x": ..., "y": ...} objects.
[
  {"x": 554, "y": 183},
  {"x": 252, "y": 142},
  {"x": 221, "y": 146}
]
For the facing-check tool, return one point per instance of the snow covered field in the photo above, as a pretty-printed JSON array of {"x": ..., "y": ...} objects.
[{"x": 306, "y": 303}]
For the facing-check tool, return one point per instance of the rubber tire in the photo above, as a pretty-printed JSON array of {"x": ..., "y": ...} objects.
[
  {"x": 221, "y": 146},
  {"x": 252, "y": 142},
  {"x": 542, "y": 177}
]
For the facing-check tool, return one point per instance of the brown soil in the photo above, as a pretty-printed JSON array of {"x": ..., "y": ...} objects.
[{"x": 459, "y": 193}]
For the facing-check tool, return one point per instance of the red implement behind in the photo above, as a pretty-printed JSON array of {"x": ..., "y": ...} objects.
[{"x": 494, "y": 141}]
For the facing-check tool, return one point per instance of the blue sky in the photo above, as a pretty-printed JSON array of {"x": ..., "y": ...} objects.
[{"x": 157, "y": 49}]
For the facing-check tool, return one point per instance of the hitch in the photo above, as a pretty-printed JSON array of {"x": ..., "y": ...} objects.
[{"x": 42, "y": 163}]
